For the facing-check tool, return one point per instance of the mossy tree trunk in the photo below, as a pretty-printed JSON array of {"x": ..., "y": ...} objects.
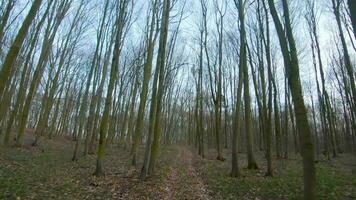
[
  {"x": 290, "y": 57},
  {"x": 4, "y": 21},
  {"x": 161, "y": 65},
  {"x": 50, "y": 33},
  {"x": 66, "y": 56},
  {"x": 240, "y": 4},
  {"x": 146, "y": 79},
  {"x": 14, "y": 50},
  {"x": 24, "y": 78},
  {"x": 104, "y": 124},
  {"x": 235, "y": 171}
]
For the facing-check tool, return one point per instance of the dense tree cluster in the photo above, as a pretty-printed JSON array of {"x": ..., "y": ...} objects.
[{"x": 242, "y": 75}]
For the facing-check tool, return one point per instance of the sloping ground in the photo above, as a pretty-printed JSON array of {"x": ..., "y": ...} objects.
[{"x": 47, "y": 172}]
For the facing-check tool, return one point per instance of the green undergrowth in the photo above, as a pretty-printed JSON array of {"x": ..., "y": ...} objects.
[
  {"x": 36, "y": 175},
  {"x": 334, "y": 181},
  {"x": 49, "y": 173}
]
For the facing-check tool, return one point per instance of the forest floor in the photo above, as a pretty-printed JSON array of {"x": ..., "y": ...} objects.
[{"x": 47, "y": 172}]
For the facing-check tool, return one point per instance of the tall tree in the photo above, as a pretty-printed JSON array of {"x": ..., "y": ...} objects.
[
  {"x": 54, "y": 22},
  {"x": 24, "y": 79},
  {"x": 4, "y": 20},
  {"x": 151, "y": 40},
  {"x": 336, "y": 5},
  {"x": 122, "y": 21},
  {"x": 291, "y": 64},
  {"x": 14, "y": 50},
  {"x": 161, "y": 65},
  {"x": 240, "y": 5}
]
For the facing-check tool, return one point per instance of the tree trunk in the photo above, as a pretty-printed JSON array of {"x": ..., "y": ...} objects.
[
  {"x": 104, "y": 125},
  {"x": 161, "y": 64},
  {"x": 16, "y": 45},
  {"x": 290, "y": 57}
]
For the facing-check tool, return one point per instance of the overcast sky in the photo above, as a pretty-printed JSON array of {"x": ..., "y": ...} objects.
[{"x": 187, "y": 40}]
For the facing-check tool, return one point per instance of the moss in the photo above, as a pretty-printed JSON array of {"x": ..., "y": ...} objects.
[{"x": 332, "y": 183}]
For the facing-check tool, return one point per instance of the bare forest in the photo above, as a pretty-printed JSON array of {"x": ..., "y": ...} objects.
[{"x": 178, "y": 99}]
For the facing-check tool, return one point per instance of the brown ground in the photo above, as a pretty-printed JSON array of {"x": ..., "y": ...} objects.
[
  {"x": 47, "y": 172},
  {"x": 183, "y": 173}
]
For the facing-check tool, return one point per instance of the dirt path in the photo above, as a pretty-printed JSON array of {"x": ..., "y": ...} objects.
[
  {"x": 183, "y": 181},
  {"x": 47, "y": 172},
  {"x": 171, "y": 183}
]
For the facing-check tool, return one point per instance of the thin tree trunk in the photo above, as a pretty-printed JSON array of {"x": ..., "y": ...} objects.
[
  {"x": 104, "y": 125},
  {"x": 16, "y": 45},
  {"x": 161, "y": 65}
]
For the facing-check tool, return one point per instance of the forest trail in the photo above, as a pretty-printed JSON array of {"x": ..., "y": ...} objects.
[
  {"x": 47, "y": 172},
  {"x": 49, "y": 165},
  {"x": 183, "y": 178}
]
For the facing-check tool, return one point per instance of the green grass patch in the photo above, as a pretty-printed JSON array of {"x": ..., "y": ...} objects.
[{"x": 331, "y": 182}]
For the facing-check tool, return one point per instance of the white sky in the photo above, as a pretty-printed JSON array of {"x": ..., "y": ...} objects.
[{"x": 189, "y": 32}]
